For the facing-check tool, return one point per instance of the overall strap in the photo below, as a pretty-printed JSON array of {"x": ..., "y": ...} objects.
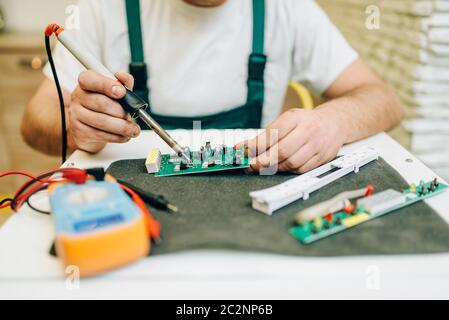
[
  {"x": 137, "y": 67},
  {"x": 256, "y": 66}
]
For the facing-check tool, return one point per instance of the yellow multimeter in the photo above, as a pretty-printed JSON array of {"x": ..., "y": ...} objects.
[{"x": 98, "y": 227}]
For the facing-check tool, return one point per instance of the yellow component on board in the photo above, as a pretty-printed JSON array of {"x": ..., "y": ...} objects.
[
  {"x": 318, "y": 222},
  {"x": 153, "y": 162},
  {"x": 357, "y": 219}
]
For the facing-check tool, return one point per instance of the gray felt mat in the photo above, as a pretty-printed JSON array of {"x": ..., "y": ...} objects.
[{"x": 216, "y": 213}]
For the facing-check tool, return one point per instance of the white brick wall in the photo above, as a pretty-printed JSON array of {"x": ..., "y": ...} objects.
[{"x": 409, "y": 50}]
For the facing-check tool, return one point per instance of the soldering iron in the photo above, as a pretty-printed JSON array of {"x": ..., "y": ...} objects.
[{"x": 131, "y": 103}]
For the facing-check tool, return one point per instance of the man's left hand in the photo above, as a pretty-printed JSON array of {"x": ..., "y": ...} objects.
[{"x": 298, "y": 141}]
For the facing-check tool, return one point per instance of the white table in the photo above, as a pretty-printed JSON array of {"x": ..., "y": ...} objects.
[{"x": 28, "y": 271}]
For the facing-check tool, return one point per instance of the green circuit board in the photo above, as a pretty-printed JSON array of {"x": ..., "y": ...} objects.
[
  {"x": 340, "y": 221},
  {"x": 204, "y": 161}
]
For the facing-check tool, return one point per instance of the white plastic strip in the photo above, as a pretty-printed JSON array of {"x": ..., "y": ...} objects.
[{"x": 274, "y": 198}]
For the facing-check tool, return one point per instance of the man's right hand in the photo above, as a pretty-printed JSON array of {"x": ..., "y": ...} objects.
[{"x": 95, "y": 117}]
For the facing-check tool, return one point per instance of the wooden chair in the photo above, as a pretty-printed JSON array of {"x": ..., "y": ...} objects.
[{"x": 298, "y": 96}]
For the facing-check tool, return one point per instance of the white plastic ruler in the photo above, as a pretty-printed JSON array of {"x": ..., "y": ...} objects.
[{"x": 274, "y": 198}]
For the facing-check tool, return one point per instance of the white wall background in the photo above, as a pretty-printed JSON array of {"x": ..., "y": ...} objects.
[{"x": 33, "y": 15}]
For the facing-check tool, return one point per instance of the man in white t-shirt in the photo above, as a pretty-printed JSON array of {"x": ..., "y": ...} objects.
[{"x": 224, "y": 62}]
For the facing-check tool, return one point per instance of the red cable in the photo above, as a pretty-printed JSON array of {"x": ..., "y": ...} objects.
[
  {"x": 22, "y": 199},
  {"x": 75, "y": 174},
  {"x": 154, "y": 228},
  {"x": 21, "y": 173},
  {"x": 5, "y": 205},
  {"x": 42, "y": 175},
  {"x": 53, "y": 28}
]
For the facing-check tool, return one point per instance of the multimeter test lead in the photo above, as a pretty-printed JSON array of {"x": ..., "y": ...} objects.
[
  {"x": 156, "y": 201},
  {"x": 131, "y": 103}
]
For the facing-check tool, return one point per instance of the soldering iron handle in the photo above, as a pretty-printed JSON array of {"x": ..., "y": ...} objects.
[{"x": 132, "y": 103}]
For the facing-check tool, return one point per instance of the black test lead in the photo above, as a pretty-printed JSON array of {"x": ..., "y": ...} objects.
[{"x": 156, "y": 201}]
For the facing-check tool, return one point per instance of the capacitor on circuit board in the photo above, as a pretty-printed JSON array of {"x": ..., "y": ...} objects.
[
  {"x": 204, "y": 155},
  {"x": 187, "y": 152},
  {"x": 208, "y": 147},
  {"x": 218, "y": 155}
]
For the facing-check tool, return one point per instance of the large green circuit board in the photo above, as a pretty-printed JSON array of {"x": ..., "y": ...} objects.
[
  {"x": 204, "y": 161},
  {"x": 324, "y": 227}
]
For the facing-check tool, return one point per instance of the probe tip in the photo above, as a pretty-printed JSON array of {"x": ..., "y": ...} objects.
[{"x": 172, "y": 208}]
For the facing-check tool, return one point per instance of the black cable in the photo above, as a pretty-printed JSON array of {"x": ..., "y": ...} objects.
[
  {"x": 28, "y": 202},
  {"x": 61, "y": 99},
  {"x": 154, "y": 200},
  {"x": 27, "y": 185}
]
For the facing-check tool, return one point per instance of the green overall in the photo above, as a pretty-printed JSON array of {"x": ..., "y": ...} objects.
[{"x": 247, "y": 116}]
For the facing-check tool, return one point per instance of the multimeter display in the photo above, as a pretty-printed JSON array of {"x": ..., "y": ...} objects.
[
  {"x": 98, "y": 223},
  {"x": 93, "y": 206}
]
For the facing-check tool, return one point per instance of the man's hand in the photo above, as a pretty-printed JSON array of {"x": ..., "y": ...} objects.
[
  {"x": 298, "y": 141},
  {"x": 95, "y": 118},
  {"x": 359, "y": 105}
]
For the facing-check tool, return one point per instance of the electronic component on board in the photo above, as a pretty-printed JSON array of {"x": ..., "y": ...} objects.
[
  {"x": 337, "y": 203},
  {"x": 218, "y": 156},
  {"x": 153, "y": 162},
  {"x": 381, "y": 201},
  {"x": 208, "y": 147},
  {"x": 196, "y": 157},
  {"x": 207, "y": 159},
  {"x": 204, "y": 155},
  {"x": 187, "y": 152},
  {"x": 314, "y": 226}
]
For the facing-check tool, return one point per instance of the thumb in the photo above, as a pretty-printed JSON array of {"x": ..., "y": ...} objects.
[{"x": 126, "y": 79}]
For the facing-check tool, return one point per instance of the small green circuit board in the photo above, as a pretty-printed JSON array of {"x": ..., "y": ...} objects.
[
  {"x": 321, "y": 228},
  {"x": 204, "y": 161}
]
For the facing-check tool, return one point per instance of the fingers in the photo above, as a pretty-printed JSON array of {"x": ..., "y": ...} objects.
[
  {"x": 266, "y": 160},
  {"x": 302, "y": 141},
  {"x": 318, "y": 160},
  {"x": 85, "y": 134},
  {"x": 126, "y": 79},
  {"x": 100, "y": 103},
  {"x": 95, "y": 116},
  {"x": 311, "y": 164},
  {"x": 105, "y": 122},
  {"x": 94, "y": 82},
  {"x": 298, "y": 159},
  {"x": 282, "y": 151},
  {"x": 272, "y": 134}
]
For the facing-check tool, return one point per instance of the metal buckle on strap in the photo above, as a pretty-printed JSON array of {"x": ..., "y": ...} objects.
[{"x": 256, "y": 67}]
